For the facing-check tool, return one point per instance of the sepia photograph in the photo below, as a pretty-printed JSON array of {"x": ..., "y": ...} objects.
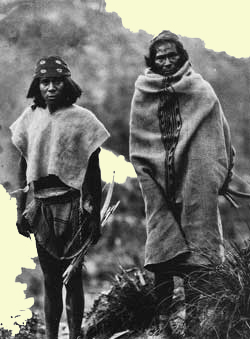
[{"x": 124, "y": 169}]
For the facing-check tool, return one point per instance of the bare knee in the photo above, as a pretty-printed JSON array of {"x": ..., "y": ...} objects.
[
  {"x": 53, "y": 285},
  {"x": 75, "y": 283}
]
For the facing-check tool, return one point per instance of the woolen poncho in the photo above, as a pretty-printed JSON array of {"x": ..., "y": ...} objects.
[
  {"x": 202, "y": 158},
  {"x": 60, "y": 143}
]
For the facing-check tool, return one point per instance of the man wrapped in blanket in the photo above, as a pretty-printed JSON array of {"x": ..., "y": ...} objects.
[
  {"x": 180, "y": 147},
  {"x": 59, "y": 143}
]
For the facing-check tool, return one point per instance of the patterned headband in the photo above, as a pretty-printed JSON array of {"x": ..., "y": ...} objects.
[{"x": 52, "y": 66}]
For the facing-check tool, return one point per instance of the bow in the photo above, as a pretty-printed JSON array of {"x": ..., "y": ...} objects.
[{"x": 106, "y": 212}]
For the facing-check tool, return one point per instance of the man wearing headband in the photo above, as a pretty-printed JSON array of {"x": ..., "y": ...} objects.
[
  {"x": 181, "y": 149},
  {"x": 59, "y": 143}
]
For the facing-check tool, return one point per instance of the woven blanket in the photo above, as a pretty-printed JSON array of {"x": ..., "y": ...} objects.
[
  {"x": 59, "y": 143},
  {"x": 202, "y": 158}
]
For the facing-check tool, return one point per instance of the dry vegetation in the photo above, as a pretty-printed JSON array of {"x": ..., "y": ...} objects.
[{"x": 220, "y": 309}]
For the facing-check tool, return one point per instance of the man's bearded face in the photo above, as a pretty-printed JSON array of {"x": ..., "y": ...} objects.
[{"x": 167, "y": 59}]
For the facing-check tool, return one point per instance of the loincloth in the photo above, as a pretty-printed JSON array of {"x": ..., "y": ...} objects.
[{"x": 55, "y": 222}]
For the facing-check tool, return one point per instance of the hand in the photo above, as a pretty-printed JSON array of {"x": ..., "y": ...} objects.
[
  {"x": 23, "y": 226},
  {"x": 88, "y": 206}
]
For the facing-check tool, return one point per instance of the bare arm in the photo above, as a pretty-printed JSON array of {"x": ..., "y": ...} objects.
[
  {"x": 92, "y": 191},
  {"x": 21, "y": 198}
]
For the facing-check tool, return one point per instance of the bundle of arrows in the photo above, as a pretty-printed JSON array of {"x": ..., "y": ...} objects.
[{"x": 78, "y": 257}]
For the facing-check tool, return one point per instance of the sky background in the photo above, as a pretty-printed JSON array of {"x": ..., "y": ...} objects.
[{"x": 222, "y": 25}]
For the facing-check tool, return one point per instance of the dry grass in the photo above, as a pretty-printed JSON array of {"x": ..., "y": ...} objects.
[
  {"x": 222, "y": 303},
  {"x": 220, "y": 308},
  {"x": 130, "y": 304}
]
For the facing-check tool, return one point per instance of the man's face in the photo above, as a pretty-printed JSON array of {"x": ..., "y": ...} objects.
[
  {"x": 167, "y": 59},
  {"x": 51, "y": 90}
]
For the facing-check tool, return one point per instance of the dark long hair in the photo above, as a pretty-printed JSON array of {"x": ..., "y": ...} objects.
[
  {"x": 150, "y": 59},
  {"x": 71, "y": 92}
]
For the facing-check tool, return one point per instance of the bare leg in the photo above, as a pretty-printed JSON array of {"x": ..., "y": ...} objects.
[
  {"x": 164, "y": 289},
  {"x": 75, "y": 305},
  {"x": 53, "y": 306},
  {"x": 199, "y": 278}
]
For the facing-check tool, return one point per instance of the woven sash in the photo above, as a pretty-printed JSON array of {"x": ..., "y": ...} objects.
[{"x": 170, "y": 125}]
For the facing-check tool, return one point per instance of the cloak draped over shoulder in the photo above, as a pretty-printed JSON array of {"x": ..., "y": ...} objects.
[
  {"x": 60, "y": 143},
  {"x": 202, "y": 159}
]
